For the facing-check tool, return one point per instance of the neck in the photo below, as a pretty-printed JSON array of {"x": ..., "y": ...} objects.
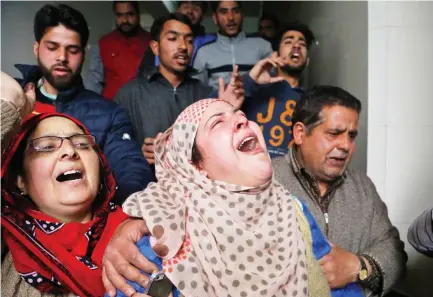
[
  {"x": 82, "y": 217},
  {"x": 323, "y": 185},
  {"x": 49, "y": 88},
  {"x": 174, "y": 78},
  {"x": 292, "y": 80},
  {"x": 231, "y": 36},
  {"x": 132, "y": 33}
]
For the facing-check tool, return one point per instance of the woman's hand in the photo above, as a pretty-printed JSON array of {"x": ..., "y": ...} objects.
[
  {"x": 122, "y": 259},
  {"x": 23, "y": 100}
]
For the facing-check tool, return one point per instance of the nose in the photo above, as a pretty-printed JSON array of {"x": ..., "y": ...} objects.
[
  {"x": 230, "y": 15},
  {"x": 182, "y": 44},
  {"x": 345, "y": 143},
  {"x": 62, "y": 54},
  {"x": 67, "y": 150},
  {"x": 240, "y": 122}
]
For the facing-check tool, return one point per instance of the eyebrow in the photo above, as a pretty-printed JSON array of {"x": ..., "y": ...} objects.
[
  {"x": 61, "y": 135},
  {"x": 215, "y": 115},
  {"x": 57, "y": 44},
  {"x": 293, "y": 37},
  {"x": 179, "y": 33}
]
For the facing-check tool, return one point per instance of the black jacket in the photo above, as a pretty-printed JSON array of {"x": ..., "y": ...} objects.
[{"x": 153, "y": 104}]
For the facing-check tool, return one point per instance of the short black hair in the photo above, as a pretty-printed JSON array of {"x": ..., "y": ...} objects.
[
  {"x": 202, "y": 4},
  {"x": 133, "y": 3},
  {"x": 62, "y": 14},
  {"x": 216, "y": 4},
  {"x": 158, "y": 24},
  {"x": 308, "y": 109},
  {"x": 299, "y": 27},
  {"x": 270, "y": 17}
]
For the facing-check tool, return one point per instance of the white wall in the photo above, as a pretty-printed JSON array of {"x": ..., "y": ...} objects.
[
  {"x": 341, "y": 57},
  {"x": 400, "y": 138},
  {"x": 17, "y": 28}
]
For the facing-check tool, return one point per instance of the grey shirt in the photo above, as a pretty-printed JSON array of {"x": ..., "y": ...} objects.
[
  {"x": 216, "y": 59},
  {"x": 152, "y": 103},
  {"x": 420, "y": 234},
  {"x": 357, "y": 218}
]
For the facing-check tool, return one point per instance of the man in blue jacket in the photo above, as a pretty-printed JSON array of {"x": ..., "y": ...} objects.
[
  {"x": 271, "y": 104},
  {"x": 61, "y": 35}
]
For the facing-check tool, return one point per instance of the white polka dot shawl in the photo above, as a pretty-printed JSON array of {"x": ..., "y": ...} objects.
[{"x": 222, "y": 240}]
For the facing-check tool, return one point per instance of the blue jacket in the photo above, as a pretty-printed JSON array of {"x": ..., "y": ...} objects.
[
  {"x": 271, "y": 106},
  {"x": 108, "y": 122}
]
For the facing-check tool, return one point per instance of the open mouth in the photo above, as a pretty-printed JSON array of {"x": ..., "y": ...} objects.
[
  {"x": 248, "y": 144},
  {"x": 338, "y": 160},
  {"x": 182, "y": 59},
  {"x": 70, "y": 175},
  {"x": 295, "y": 56}
]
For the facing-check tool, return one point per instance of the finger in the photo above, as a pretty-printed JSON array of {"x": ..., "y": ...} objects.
[
  {"x": 235, "y": 71},
  {"x": 332, "y": 244},
  {"x": 148, "y": 155},
  {"x": 221, "y": 87},
  {"x": 111, "y": 290},
  {"x": 239, "y": 91},
  {"x": 276, "y": 79},
  {"x": 324, "y": 259},
  {"x": 274, "y": 55},
  {"x": 149, "y": 140},
  {"x": 117, "y": 280},
  {"x": 149, "y": 148},
  {"x": 140, "y": 295}
]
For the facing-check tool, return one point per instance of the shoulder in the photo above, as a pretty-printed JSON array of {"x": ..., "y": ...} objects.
[
  {"x": 91, "y": 100},
  {"x": 108, "y": 37},
  {"x": 281, "y": 167},
  {"x": 280, "y": 162},
  {"x": 257, "y": 40},
  {"x": 208, "y": 46},
  {"x": 359, "y": 177}
]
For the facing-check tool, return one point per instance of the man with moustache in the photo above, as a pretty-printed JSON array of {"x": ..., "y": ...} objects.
[
  {"x": 155, "y": 98},
  {"x": 61, "y": 35},
  {"x": 271, "y": 101},
  {"x": 366, "y": 247},
  {"x": 116, "y": 58},
  {"x": 232, "y": 47}
]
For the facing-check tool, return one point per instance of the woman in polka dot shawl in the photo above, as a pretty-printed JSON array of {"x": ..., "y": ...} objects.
[{"x": 225, "y": 226}]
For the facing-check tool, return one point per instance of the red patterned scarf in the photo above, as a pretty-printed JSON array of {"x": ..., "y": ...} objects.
[{"x": 52, "y": 256}]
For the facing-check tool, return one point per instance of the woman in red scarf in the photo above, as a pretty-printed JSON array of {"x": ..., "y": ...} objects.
[{"x": 57, "y": 217}]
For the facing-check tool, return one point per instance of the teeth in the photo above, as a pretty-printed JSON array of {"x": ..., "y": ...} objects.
[
  {"x": 251, "y": 146},
  {"x": 71, "y": 172}
]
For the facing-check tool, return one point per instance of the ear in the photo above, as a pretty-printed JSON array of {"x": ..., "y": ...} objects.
[
  {"x": 21, "y": 184},
  {"x": 154, "y": 46},
  {"x": 36, "y": 48},
  {"x": 214, "y": 18},
  {"x": 299, "y": 133}
]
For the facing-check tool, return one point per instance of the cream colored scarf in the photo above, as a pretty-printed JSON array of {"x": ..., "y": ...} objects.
[{"x": 222, "y": 240}]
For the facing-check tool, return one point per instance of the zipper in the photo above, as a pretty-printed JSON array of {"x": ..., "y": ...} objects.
[
  {"x": 326, "y": 216},
  {"x": 232, "y": 48},
  {"x": 175, "y": 93}
]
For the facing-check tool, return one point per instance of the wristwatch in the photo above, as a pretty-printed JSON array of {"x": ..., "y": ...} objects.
[{"x": 363, "y": 272}]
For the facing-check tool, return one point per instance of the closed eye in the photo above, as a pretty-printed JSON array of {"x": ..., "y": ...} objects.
[{"x": 216, "y": 123}]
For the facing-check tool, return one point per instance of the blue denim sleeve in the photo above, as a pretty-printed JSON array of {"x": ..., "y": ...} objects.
[
  {"x": 321, "y": 247},
  {"x": 145, "y": 248}
]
